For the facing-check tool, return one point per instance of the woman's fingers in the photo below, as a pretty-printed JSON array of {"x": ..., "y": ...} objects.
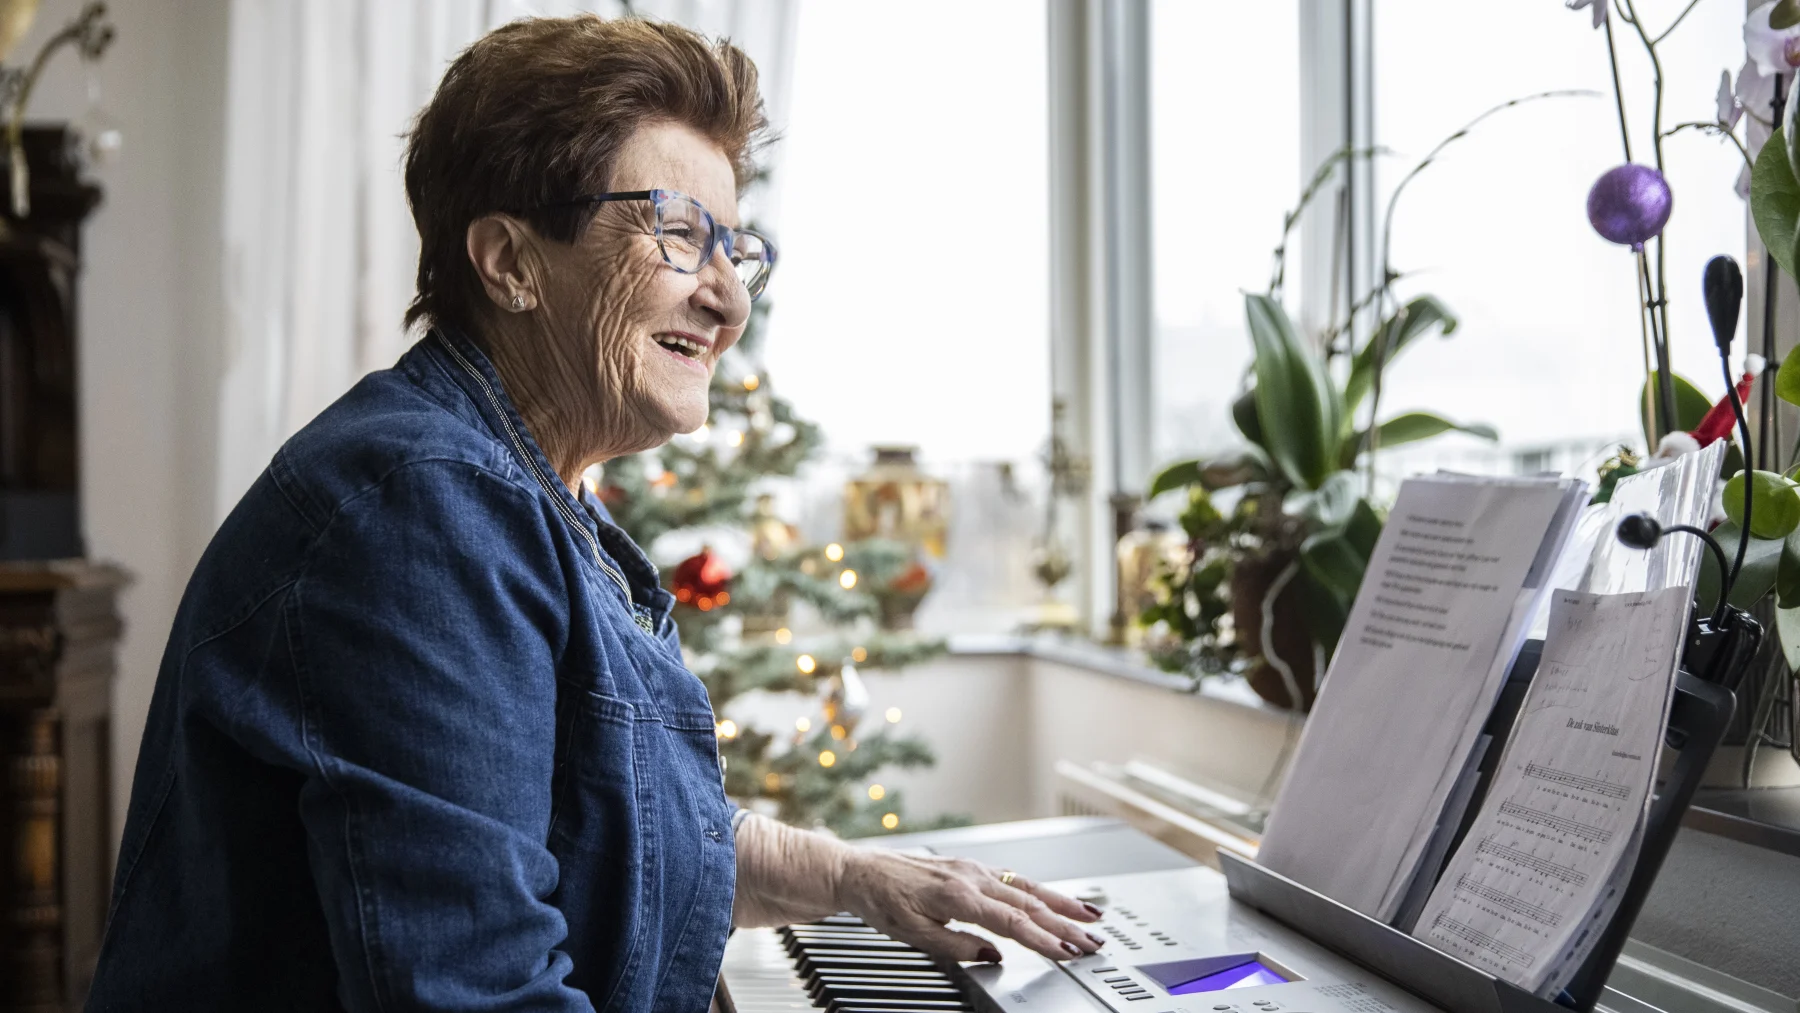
[
  {"x": 1017, "y": 924},
  {"x": 1040, "y": 912},
  {"x": 1061, "y": 903},
  {"x": 941, "y": 941}
]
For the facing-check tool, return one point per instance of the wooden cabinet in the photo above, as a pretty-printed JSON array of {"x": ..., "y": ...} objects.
[{"x": 59, "y": 626}]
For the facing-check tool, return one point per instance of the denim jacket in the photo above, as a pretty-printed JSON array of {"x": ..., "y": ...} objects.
[{"x": 422, "y": 739}]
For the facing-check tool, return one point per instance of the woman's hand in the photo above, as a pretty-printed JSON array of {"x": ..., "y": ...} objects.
[{"x": 911, "y": 898}]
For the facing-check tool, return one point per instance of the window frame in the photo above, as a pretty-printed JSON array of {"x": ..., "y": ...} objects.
[{"x": 1101, "y": 263}]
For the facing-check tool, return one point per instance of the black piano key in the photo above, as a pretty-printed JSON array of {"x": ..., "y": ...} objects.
[
  {"x": 828, "y": 990},
  {"x": 844, "y": 918},
  {"x": 808, "y": 963},
  {"x": 878, "y": 972},
  {"x": 860, "y": 978},
  {"x": 871, "y": 946},
  {"x": 844, "y": 951},
  {"x": 826, "y": 987},
  {"x": 906, "y": 1005}
]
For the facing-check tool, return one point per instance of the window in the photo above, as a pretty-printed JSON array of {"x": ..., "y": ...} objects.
[
  {"x": 912, "y": 301},
  {"x": 1225, "y": 150},
  {"x": 1549, "y": 351}
]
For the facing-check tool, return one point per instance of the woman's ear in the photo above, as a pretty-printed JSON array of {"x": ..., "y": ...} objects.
[{"x": 497, "y": 247}]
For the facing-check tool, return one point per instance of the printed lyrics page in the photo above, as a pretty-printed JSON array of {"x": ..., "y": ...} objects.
[{"x": 1412, "y": 669}]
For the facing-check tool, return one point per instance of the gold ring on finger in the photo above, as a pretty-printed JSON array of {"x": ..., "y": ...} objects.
[{"x": 1007, "y": 876}]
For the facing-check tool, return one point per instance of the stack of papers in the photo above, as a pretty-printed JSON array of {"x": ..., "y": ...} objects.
[
  {"x": 1546, "y": 861},
  {"x": 1462, "y": 567}
]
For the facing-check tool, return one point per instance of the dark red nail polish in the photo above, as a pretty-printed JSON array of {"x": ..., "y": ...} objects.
[
  {"x": 988, "y": 955},
  {"x": 1091, "y": 909},
  {"x": 1098, "y": 942},
  {"x": 1071, "y": 949}
]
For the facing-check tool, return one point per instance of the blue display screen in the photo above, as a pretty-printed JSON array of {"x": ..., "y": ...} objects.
[{"x": 1246, "y": 975}]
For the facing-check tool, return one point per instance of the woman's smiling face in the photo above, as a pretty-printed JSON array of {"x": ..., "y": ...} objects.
[{"x": 656, "y": 333}]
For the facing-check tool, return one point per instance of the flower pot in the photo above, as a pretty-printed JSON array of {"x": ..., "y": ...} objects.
[{"x": 1251, "y": 580}]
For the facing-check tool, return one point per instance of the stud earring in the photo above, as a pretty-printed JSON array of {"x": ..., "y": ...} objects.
[{"x": 518, "y": 302}]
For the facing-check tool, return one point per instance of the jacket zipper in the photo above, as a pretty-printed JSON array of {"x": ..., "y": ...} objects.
[{"x": 544, "y": 483}]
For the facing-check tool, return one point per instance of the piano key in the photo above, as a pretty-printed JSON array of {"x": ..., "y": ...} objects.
[
  {"x": 886, "y": 974},
  {"x": 877, "y": 977},
  {"x": 845, "y": 943},
  {"x": 790, "y": 931},
  {"x": 817, "y": 982},
  {"x": 835, "y": 989},
  {"x": 840, "y": 919},
  {"x": 909, "y": 1005},
  {"x": 808, "y": 963}
]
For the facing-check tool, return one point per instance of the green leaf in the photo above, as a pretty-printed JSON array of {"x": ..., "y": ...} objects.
[
  {"x": 1332, "y": 563},
  {"x": 1414, "y": 426},
  {"x": 1787, "y": 627},
  {"x": 1296, "y": 404},
  {"x": 1787, "y": 379},
  {"x": 1762, "y": 561},
  {"x": 1775, "y": 200},
  {"x": 1211, "y": 475},
  {"x": 1787, "y": 577},
  {"x": 1691, "y": 404},
  {"x": 1243, "y": 413},
  {"x": 1329, "y": 507},
  {"x": 1774, "y": 504},
  {"x": 1175, "y": 476},
  {"x": 1414, "y": 320}
]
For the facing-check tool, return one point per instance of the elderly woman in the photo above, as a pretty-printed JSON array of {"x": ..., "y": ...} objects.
[{"x": 422, "y": 738}]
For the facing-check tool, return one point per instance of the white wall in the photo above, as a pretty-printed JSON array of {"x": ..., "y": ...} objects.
[
  {"x": 149, "y": 316},
  {"x": 999, "y": 723}
]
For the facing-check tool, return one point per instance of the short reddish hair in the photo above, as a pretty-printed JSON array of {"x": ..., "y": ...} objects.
[{"x": 535, "y": 112}]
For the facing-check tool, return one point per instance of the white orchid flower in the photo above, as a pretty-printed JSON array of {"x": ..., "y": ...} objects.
[
  {"x": 1598, "y": 7},
  {"x": 1729, "y": 110},
  {"x": 1773, "y": 50}
]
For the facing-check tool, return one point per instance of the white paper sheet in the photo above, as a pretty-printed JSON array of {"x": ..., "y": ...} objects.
[
  {"x": 1568, "y": 799},
  {"x": 1432, "y": 632}
]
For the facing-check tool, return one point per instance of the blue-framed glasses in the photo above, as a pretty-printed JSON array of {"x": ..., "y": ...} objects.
[{"x": 688, "y": 235}]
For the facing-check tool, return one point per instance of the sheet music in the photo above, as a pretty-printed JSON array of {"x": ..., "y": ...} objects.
[
  {"x": 1569, "y": 798},
  {"x": 1443, "y": 605}
]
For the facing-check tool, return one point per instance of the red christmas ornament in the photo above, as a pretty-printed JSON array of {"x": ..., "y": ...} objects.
[{"x": 701, "y": 580}]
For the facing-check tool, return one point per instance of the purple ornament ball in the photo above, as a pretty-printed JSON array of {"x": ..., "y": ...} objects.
[{"x": 1630, "y": 205}]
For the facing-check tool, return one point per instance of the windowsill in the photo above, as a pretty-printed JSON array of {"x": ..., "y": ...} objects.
[
  {"x": 1761, "y": 817},
  {"x": 1767, "y": 818},
  {"x": 1115, "y": 661}
]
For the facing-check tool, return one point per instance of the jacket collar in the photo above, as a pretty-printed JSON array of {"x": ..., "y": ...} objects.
[{"x": 470, "y": 368}]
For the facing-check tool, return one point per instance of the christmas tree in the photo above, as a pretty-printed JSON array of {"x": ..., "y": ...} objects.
[{"x": 737, "y": 628}]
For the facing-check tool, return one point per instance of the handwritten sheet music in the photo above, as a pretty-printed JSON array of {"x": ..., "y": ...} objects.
[{"x": 1563, "y": 817}]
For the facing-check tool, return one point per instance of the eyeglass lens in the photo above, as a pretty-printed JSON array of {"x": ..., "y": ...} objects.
[{"x": 686, "y": 229}]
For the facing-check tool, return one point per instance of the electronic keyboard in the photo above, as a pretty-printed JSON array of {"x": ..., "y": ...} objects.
[{"x": 1176, "y": 943}]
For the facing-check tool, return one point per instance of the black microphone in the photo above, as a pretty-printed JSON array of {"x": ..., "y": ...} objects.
[
  {"x": 1723, "y": 287},
  {"x": 1641, "y": 531},
  {"x": 1722, "y": 284}
]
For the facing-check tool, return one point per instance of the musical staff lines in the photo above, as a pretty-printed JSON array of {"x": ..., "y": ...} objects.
[
  {"x": 1593, "y": 785},
  {"x": 1561, "y": 824},
  {"x": 1475, "y": 937},
  {"x": 1573, "y": 877},
  {"x": 1542, "y": 915}
]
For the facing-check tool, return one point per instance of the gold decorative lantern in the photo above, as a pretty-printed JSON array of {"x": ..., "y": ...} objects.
[{"x": 896, "y": 501}]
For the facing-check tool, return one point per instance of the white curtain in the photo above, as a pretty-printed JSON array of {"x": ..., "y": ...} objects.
[{"x": 320, "y": 249}]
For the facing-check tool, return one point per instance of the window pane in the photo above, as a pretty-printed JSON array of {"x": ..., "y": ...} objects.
[
  {"x": 911, "y": 304},
  {"x": 1225, "y": 141},
  {"x": 1549, "y": 350}
]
